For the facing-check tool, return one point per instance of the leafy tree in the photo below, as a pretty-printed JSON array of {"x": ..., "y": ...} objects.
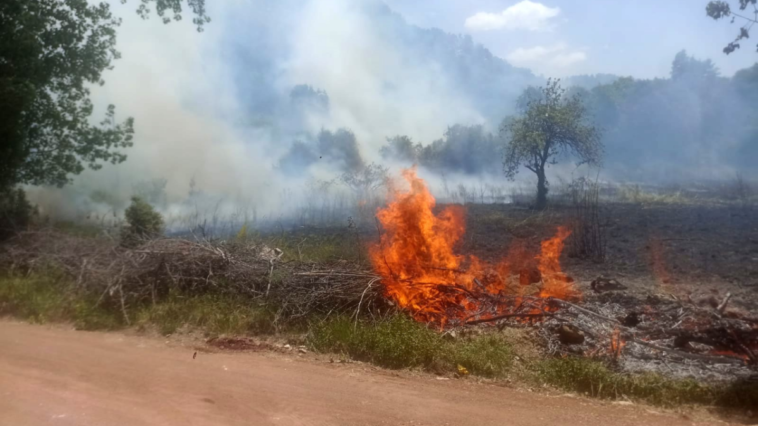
[
  {"x": 721, "y": 9},
  {"x": 340, "y": 147},
  {"x": 51, "y": 51},
  {"x": 695, "y": 71},
  {"x": 143, "y": 222},
  {"x": 552, "y": 124}
]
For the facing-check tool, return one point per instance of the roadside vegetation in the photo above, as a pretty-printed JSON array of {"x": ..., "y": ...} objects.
[{"x": 394, "y": 341}]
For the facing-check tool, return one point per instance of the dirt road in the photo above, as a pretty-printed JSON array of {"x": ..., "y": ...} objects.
[{"x": 54, "y": 376}]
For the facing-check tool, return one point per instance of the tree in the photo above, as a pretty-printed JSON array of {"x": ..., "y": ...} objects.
[
  {"x": 552, "y": 124},
  {"x": 51, "y": 52},
  {"x": 401, "y": 148},
  {"x": 142, "y": 222},
  {"x": 721, "y": 9}
]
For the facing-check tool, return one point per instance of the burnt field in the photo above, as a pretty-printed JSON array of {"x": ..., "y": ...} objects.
[{"x": 673, "y": 248}]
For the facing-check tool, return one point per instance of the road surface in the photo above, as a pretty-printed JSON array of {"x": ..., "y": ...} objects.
[{"x": 57, "y": 376}]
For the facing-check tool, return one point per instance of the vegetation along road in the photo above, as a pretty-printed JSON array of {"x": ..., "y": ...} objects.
[{"x": 65, "y": 377}]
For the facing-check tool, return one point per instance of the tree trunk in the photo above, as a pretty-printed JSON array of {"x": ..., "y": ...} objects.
[{"x": 541, "y": 190}]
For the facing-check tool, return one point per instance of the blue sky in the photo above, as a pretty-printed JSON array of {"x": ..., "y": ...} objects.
[{"x": 567, "y": 37}]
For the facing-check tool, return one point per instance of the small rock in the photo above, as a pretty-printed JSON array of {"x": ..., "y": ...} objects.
[
  {"x": 302, "y": 350},
  {"x": 287, "y": 346}
]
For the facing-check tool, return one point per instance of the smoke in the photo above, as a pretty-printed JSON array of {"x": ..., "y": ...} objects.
[
  {"x": 276, "y": 98},
  {"x": 217, "y": 109}
]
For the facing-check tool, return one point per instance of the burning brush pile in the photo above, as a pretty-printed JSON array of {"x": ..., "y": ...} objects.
[{"x": 423, "y": 275}]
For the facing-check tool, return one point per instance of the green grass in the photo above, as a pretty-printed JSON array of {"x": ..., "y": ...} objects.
[
  {"x": 48, "y": 298},
  {"x": 213, "y": 314},
  {"x": 596, "y": 379},
  {"x": 43, "y": 298},
  {"x": 400, "y": 342}
]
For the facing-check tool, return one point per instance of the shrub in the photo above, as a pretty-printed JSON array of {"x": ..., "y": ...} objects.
[
  {"x": 15, "y": 211},
  {"x": 143, "y": 222}
]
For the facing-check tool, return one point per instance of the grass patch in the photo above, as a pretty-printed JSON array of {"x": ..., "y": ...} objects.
[
  {"x": 47, "y": 298},
  {"x": 400, "y": 342},
  {"x": 214, "y": 314},
  {"x": 319, "y": 247},
  {"x": 43, "y": 298},
  {"x": 596, "y": 379},
  {"x": 635, "y": 194}
]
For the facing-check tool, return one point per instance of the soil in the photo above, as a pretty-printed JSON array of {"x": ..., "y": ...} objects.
[{"x": 53, "y": 375}]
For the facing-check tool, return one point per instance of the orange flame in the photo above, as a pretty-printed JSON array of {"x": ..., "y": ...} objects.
[
  {"x": 423, "y": 274},
  {"x": 617, "y": 343}
]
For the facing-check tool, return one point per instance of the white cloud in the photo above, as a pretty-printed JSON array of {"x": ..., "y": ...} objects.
[
  {"x": 524, "y": 15},
  {"x": 546, "y": 58}
]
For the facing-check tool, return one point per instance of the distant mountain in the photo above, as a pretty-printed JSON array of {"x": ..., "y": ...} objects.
[{"x": 490, "y": 83}]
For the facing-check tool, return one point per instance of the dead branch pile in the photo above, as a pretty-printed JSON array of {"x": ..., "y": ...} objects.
[{"x": 155, "y": 268}]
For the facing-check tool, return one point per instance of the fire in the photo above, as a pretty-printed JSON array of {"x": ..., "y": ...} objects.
[
  {"x": 617, "y": 343},
  {"x": 421, "y": 271}
]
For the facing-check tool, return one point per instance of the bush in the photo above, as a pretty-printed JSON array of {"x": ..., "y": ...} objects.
[
  {"x": 143, "y": 222},
  {"x": 15, "y": 211}
]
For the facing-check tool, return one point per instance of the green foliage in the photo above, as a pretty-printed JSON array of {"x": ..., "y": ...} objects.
[
  {"x": 721, "y": 9},
  {"x": 551, "y": 124},
  {"x": 51, "y": 52},
  {"x": 400, "y": 342},
  {"x": 15, "y": 211},
  {"x": 143, "y": 222}
]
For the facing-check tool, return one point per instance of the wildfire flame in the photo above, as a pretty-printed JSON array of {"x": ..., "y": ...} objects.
[
  {"x": 423, "y": 274},
  {"x": 617, "y": 343}
]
